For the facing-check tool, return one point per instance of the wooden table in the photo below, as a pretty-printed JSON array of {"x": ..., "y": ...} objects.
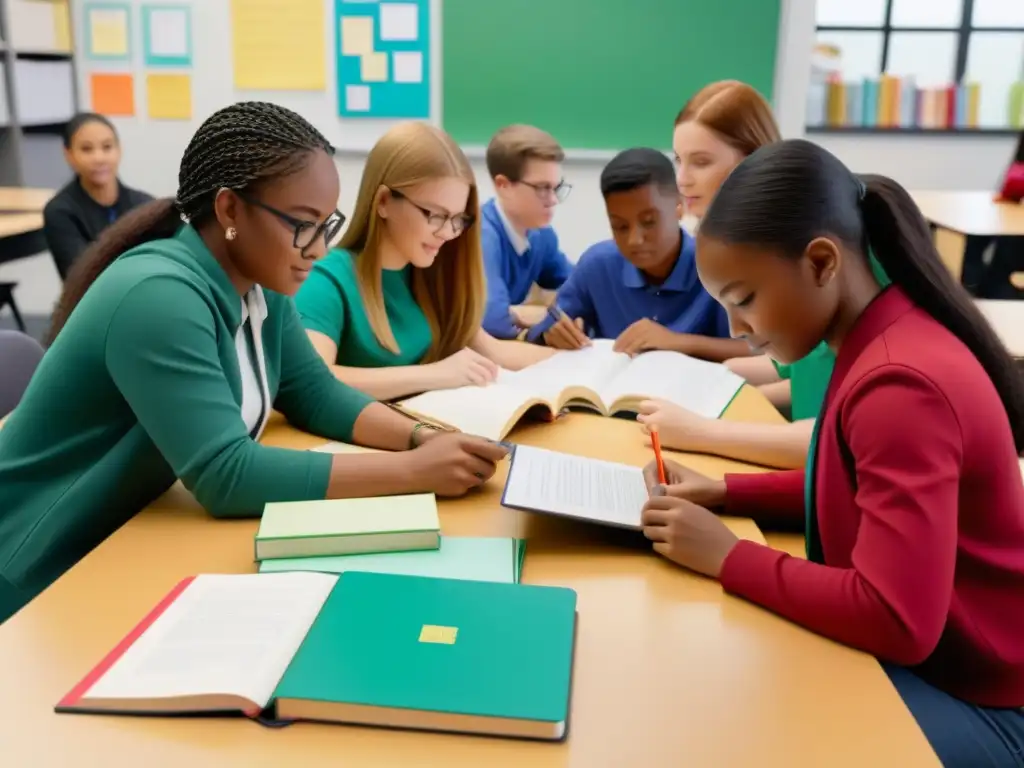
[
  {"x": 24, "y": 199},
  {"x": 956, "y": 216},
  {"x": 669, "y": 670}
]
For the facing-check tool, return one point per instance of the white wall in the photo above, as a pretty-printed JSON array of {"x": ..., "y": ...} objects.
[{"x": 153, "y": 149}]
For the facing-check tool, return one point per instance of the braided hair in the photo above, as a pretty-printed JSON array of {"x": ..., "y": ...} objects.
[{"x": 235, "y": 148}]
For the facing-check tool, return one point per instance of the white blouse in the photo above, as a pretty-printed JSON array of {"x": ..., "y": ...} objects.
[{"x": 255, "y": 395}]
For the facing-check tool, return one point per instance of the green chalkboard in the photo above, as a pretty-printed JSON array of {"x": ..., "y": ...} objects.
[{"x": 598, "y": 74}]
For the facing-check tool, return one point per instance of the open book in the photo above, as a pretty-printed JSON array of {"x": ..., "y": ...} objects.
[
  {"x": 364, "y": 648},
  {"x": 595, "y": 378}
]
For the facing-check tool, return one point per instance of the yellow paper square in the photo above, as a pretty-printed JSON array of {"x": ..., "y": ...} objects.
[
  {"x": 432, "y": 633},
  {"x": 279, "y": 44},
  {"x": 374, "y": 67},
  {"x": 356, "y": 35},
  {"x": 108, "y": 32},
  {"x": 61, "y": 26},
  {"x": 169, "y": 97}
]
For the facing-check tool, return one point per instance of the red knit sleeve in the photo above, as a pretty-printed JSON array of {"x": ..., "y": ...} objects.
[
  {"x": 894, "y": 600},
  {"x": 766, "y": 497}
]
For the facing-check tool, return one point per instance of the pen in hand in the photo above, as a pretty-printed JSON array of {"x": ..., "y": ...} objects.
[{"x": 657, "y": 455}]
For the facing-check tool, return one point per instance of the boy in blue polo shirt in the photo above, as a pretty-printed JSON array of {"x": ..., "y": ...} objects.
[
  {"x": 520, "y": 248},
  {"x": 641, "y": 288}
]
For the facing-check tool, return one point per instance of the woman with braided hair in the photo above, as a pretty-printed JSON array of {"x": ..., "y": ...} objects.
[
  {"x": 397, "y": 308},
  {"x": 172, "y": 344}
]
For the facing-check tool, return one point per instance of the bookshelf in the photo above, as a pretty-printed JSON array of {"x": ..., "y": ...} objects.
[
  {"x": 38, "y": 91},
  {"x": 918, "y": 67}
]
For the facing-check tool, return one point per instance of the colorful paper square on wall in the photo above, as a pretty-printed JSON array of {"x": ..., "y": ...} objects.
[
  {"x": 167, "y": 35},
  {"x": 112, "y": 93},
  {"x": 169, "y": 97},
  {"x": 108, "y": 31},
  {"x": 383, "y": 58}
]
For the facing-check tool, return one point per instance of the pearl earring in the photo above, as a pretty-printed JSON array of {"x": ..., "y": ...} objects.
[{"x": 230, "y": 233}]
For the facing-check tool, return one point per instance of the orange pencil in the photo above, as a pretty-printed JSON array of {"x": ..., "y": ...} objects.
[{"x": 657, "y": 455}]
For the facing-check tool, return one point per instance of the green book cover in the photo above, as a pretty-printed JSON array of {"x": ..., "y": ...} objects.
[
  {"x": 458, "y": 557},
  {"x": 386, "y": 647},
  {"x": 344, "y": 526}
]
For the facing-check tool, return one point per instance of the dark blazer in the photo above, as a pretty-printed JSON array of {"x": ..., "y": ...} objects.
[
  {"x": 920, "y": 506},
  {"x": 72, "y": 220}
]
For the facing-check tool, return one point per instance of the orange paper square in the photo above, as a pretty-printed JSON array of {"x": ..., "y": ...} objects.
[{"x": 113, "y": 94}]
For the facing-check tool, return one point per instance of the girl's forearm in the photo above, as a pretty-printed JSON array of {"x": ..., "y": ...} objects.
[
  {"x": 783, "y": 446},
  {"x": 388, "y": 383}
]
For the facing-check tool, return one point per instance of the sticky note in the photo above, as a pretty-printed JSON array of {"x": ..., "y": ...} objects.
[
  {"x": 61, "y": 26},
  {"x": 374, "y": 67},
  {"x": 357, "y": 98},
  {"x": 113, "y": 94},
  {"x": 399, "y": 21},
  {"x": 408, "y": 67},
  {"x": 108, "y": 32},
  {"x": 168, "y": 32},
  {"x": 356, "y": 35},
  {"x": 169, "y": 97},
  {"x": 279, "y": 44}
]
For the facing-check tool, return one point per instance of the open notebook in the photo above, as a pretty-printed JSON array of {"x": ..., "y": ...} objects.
[
  {"x": 361, "y": 648},
  {"x": 596, "y": 378}
]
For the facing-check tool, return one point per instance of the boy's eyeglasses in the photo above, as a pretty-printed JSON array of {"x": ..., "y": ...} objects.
[
  {"x": 544, "y": 191},
  {"x": 460, "y": 221},
  {"x": 305, "y": 232}
]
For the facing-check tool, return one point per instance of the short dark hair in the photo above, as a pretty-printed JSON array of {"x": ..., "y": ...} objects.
[
  {"x": 786, "y": 194},
  {"x": 236, "y": 147},
  {"x": 76, "y": 123},
  {"x": 638, "y": 167}
]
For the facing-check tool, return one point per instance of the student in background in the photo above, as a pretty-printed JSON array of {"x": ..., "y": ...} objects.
[
  {"x": 640, "y": 288},
  {"x": 721, "y": 125},
  {"x": 913, "y": 505},
  {"x": 396, "y": 308},
  {"x": 172, "y": 346},
  {"x": 520, "y": 248},
  {"x": 95, "y": 198}
]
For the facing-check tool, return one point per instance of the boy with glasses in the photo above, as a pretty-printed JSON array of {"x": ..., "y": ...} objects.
[{"x": 520, "y": 248}]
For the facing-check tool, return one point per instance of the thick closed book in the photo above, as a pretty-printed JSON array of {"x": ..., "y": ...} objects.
[
  {"x": 595, "y": 378},
  {"x": 458, "y": 557},
  {"x": 591, "y": 490},
  {"x": 359, "y": 648},
  {"x": 348, "y": 526}
]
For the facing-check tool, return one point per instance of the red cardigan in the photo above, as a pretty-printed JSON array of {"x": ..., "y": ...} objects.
[{"x": 920, "y": 508}]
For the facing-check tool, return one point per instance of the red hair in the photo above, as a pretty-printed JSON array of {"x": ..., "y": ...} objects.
[{"x": 736, "y": 112}]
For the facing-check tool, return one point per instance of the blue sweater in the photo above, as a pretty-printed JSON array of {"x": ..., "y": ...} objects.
[{"x": 511, "y": 274}]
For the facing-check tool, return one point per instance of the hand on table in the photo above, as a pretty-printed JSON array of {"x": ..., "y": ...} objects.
[
  {"x": 683, "y": 483},
  {"x": 453, "y": 463},
  {"x": 464, "y": 368},
  {"x": 688, "y": 534},
  {"x": 567, "y": 334},
  {"x": 644, "y": 335},
  {"x": 678, "y": 427}
]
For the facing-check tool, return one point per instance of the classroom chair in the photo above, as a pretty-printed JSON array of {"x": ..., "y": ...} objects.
[
  {"x": 7, "y": 300},
  {"x": 19, "y": 356}
]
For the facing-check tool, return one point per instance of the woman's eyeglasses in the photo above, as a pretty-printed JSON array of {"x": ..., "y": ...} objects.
[
  {"x": 460, "y": 221},
  {"x": 305, "y": 232}
]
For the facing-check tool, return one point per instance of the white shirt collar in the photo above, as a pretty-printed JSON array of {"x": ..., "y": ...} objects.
[{"x": 519, "y": 243}]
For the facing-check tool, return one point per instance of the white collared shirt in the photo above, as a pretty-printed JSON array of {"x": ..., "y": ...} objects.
[
  {"x": 255, "y": 394},
  {"x": 519, "y": 242}
]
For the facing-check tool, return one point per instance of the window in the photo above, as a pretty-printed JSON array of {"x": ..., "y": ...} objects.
[{"x": 918, "y": 64}]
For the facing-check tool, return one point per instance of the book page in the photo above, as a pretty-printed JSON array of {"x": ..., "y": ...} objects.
[
  {"x": 593, "y": 367},
  {"x": 563, "y": 484},
  {"x": 483, "y": 411},
  {"x": 225, "y": 634},
  {"x": 697, "y": 385}
]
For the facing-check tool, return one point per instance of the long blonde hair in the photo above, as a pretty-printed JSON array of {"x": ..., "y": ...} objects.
[{"x": 451, "y": 291}]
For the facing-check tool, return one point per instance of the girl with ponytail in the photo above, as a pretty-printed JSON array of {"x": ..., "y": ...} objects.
[{"x": 912, "y": 502}]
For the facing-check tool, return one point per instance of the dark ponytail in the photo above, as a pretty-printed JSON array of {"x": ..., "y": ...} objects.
[
  {"x": 235, "y": 147},
  {"x": 786, "y": 194}
]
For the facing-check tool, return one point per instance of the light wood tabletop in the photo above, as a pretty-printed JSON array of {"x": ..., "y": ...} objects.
[
  {"x": 971, "y": 212},
  {"x": 24, "y": 199},
  {"x": 669, "y": 671},
  {"x": 12, "y": 224},
  {"x": 1007, "y": 318}
]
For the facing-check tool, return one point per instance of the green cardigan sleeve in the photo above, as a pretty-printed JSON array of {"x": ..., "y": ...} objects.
[
  {"x": 309, "y": 396},
  {"x": 161, "y": 352}
]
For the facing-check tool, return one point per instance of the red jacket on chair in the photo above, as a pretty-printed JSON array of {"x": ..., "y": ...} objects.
[{"x": 920, "y": 508}]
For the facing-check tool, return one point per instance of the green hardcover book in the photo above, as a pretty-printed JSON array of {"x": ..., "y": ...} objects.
[
  {"x": 436, "y": 654},
  {"x": 348, "y": 526},
  {"x": 458, "y": 557}
]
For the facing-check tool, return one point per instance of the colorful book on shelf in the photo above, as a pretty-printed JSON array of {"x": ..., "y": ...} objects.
[
  {"x": 595, "y": 378},
  {"x": 359, "y": 648},
  {"x": 458, "y": 557},
  {"x": 896, "y": 103},
  {"x": 348, "y": 526}
]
